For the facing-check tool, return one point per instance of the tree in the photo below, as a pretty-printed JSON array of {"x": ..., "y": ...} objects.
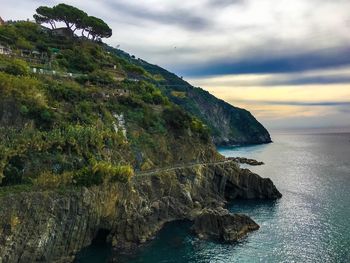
[
  {"x": 45, "y": 15},
  {"x": 74, "y": 19},
  {"x": 69, "y": 15},
  {"x": 97, "y": 28}
]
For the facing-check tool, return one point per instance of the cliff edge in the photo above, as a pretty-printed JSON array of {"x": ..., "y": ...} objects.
[{"x": 52, "y": 226}]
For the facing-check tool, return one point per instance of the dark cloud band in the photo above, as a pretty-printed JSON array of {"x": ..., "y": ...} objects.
[{"x": 259, "y": 64}]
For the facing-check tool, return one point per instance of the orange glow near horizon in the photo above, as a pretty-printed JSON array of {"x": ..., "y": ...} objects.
[{"x": 270, "y": 103}]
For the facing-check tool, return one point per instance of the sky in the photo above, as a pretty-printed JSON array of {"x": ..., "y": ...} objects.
[{"x": 286, "y": 61}]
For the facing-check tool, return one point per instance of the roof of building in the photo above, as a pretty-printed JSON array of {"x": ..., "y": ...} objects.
[{"x": 2, "y": 21}]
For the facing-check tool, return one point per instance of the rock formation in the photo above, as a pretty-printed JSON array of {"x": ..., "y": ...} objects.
[
  {"x": 244, "y": 160},
  {"x": 52, "y": 226},
  {"x": 220, "y": 225}
]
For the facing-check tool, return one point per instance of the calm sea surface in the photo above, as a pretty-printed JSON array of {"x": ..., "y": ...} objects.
[{"x": 311, "y": 223}]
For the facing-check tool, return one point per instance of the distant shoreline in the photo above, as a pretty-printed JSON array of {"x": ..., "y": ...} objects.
[{"x": 322, "y": 130}]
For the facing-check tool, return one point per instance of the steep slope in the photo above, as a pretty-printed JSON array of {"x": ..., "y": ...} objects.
[
  {"x": 229, "y": 125},
  {"x": 70, "y": 115},
  {"x": 90, "y": 141},
  {"x": 51, "y": 226}
]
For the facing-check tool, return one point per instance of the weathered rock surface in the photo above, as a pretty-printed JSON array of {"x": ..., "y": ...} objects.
[
  {"x": 51, "y": 226},
  {"x": 220, "y": 225},
  {"x": 245, "y": 161}
]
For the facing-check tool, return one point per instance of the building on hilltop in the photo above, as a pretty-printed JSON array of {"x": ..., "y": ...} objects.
[
  {"x": 2, "y": 21},
  {"x": 62, "y": 32}
]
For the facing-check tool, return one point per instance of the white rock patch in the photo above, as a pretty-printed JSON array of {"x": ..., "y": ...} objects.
[{"x": 119, "y": 125}]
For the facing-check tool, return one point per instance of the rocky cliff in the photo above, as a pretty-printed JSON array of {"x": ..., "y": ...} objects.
[
  {"x": 52, "y": 226},
  {"x": 220, "y": 225},
  {"x": 229, "y": 125}
]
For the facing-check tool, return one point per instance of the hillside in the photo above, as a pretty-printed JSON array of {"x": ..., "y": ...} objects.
[
  {"x": 76, "y": 108},
  {"x": 70, "y": 113},
  {"x": 94, "y": 141},
  {"x": 229, "y": 125}
]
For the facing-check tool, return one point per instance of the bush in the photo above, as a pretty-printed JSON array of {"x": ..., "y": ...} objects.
[
  {"x": 24, "y": 110},
  {"x": 176, "y": 118},
  {"x": 202, "y": 130},
  {"x": 17, "y": 67},
  {"x": 67, "y": 91},
  {"x": 13, "y": 172},
  {"x": 78, "y": 60},
  {"x": 25, "y": 90},
  {"x": 134, "y": 69},
  {"x": 100, "y": 171},
  {"x": 100, "y": 77},
  {"x": 51, "y": 180},
  {"x": 86, "y": 177}
]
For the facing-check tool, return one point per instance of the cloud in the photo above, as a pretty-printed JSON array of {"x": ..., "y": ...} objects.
[
  {"x": 224, "y": 36},
  {"x": 263, "y": 50},
  {"x": 224, "y": 3},
  {"x": 297, "y": 103},
  {"x": 177, "y": 16},
  {"x": 281, "y": 63},
  {"x": 323, "y": 77}
]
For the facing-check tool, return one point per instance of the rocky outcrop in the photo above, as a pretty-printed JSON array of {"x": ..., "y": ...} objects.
[
  {"x": 220, "y": 225},
  {"x": 51, "y": 226},
  {"x": 244, "y": 160}
]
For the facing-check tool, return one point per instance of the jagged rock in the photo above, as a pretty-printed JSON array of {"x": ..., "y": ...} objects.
[
  {"x": 52, "y": 226},
  {"x": 221, "y": 225},
  {"x": 245, "y": 161}
]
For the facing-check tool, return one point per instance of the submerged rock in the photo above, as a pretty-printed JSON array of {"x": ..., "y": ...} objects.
[{"x": 220, "y": 225}]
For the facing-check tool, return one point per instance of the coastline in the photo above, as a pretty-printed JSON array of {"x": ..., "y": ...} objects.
[{"x": 132, "y": 214}]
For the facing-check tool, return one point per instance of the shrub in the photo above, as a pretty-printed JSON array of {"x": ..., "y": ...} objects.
[
  {"x": 85, "y": 177},
  {"x": 67, "y": 91},
  {"x": 134, "y": 69},
  {"x": 17, "y": 67},
  {"x": 13, "y": 172},
  {"x": 26, "y": 90},
  {"x": 202, "y": 130},
  {"x": 100, "y": 77},
  {"x": 176, "y": 118},
  {"x": 101, "y": 171},
  {"x": 52, "y": 180},
  {"x": 23, "y": 110}
]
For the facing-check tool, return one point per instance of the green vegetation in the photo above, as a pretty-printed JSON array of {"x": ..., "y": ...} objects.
[
  {"x": 74, "y": 19},
  {"x": 227, "y": 124},
  {"x": 94, "y": 126},
  {"x": 15, "y": 67}
]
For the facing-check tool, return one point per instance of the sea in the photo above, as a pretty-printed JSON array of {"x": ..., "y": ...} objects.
[{"x": 310, "y": 223}]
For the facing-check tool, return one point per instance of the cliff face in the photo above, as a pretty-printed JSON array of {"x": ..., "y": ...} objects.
[
  {"x": 52, "y": 226},
  {"x": 229, "y": 125}
]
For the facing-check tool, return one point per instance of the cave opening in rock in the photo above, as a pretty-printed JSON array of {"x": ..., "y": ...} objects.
[
  {"x": 101, "y": 237},
  {"x": 100, "y": 249}
]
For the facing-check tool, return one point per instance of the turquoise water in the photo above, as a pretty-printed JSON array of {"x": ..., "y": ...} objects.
[{"x": 311, "y": 223}]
